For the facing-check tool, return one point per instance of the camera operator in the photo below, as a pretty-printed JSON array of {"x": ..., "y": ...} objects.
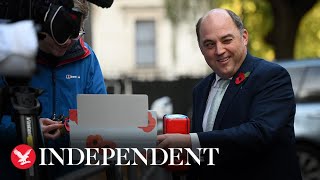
[{"x": 65, "y": 68}]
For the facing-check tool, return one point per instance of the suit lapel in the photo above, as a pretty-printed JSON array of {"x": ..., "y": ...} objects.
[
  {"x": 233, "y": 89},
  {"x": 203, "y": 96}
]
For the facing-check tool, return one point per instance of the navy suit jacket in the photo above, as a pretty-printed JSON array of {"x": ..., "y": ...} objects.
[{"x": 254, "y": 125}]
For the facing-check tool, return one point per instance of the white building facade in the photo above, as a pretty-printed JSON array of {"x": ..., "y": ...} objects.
[{"x": 134, "y": 38}]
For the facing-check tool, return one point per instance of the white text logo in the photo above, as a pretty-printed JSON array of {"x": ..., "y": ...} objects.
[{"x": 68, "y": 76}]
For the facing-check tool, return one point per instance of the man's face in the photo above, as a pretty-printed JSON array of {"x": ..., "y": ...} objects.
[
  {"x": 221, "y": 43},
  {"x": 48, "y": 45}
]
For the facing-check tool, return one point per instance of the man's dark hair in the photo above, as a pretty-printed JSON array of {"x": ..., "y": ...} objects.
[
  {"x": 198, "y": 29},
  {"x": 235, "y": 18}
]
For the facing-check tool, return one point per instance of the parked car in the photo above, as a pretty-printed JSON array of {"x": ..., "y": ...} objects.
[{"x": 305, "y": 75}]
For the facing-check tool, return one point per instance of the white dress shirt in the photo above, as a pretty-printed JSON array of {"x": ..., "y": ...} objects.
[{"x": 194, "y": 136}]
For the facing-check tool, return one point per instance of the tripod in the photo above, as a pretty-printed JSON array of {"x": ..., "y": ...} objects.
[{"x": 25, "y": 112}]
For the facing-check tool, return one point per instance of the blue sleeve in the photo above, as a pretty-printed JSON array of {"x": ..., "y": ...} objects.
[
  {"x": 8, "y": 140},
  {"x": 2, "y": 82},
  {"x": 7, "y": 127},
  {"x": 8, "y": 134},
  {"x": 96, "y": 84}
]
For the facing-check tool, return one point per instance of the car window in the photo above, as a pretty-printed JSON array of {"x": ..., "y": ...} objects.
[
  {"x": 296, "y": 75},
  {"x": 310, "y": 90}
]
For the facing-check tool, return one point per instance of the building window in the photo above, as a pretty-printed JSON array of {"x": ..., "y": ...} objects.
[{"x": 145, "y": 43}]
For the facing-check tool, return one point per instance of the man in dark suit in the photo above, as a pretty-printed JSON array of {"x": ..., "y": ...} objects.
[{"x": 245, "y": 108}]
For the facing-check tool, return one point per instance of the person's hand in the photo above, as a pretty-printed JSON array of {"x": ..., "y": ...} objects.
[
  {"x": 174, "y": 141},
  {"x": 50, "y": 128}
]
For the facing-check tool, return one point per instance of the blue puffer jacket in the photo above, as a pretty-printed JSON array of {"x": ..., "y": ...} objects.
[{"x": 77, "y": 72}]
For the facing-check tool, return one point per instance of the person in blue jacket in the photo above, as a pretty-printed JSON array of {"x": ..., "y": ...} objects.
[{"x": 63, "y": 71}]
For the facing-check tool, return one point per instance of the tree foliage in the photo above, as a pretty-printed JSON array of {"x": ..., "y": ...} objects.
[
  {"x": 287, "y": 15},
  {"x": 308, "y": 37},
  {"x": 278, "y": 29}
]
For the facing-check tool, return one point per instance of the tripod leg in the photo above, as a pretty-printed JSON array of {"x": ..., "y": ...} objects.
[{"x": 26, "y": 112}]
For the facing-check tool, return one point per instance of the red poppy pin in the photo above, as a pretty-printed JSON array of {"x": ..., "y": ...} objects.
[{"x": 241, "y": 77}]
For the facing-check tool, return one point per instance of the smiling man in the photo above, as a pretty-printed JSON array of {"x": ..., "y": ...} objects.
[{"x": 245, "y": 108}]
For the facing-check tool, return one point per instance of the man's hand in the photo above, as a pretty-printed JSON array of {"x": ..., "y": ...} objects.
[
  {"x": 48, "y": 125},
  {"x": 174, "y": 141}
]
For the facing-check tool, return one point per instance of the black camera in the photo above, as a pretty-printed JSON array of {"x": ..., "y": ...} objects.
[{"x": 58, "y": 18}]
